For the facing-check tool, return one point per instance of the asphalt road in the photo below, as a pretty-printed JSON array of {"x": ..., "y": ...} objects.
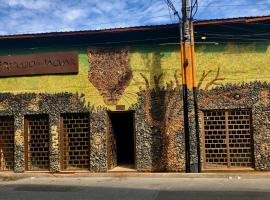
[{"x": 134, "y": 188}]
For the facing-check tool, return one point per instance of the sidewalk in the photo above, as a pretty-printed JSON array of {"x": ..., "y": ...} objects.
[
  {"x": 161, "y": 187},
  {"x": 229, "y": 175}
]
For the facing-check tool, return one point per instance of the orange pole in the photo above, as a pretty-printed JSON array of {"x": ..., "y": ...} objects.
[
  {"x": 188, "y": 65},
  {"x": 194, "y": 78}
]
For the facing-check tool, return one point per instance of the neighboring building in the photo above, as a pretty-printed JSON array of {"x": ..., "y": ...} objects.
[{"x": 94, "y": 100}]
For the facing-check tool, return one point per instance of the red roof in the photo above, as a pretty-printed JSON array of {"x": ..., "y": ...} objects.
[{"x": 233, "y": 20}]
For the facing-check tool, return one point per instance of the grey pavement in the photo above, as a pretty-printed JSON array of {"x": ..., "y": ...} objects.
[{"x": 131, "y": 188}]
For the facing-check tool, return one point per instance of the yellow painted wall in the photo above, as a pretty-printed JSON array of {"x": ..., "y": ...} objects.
[
  {"x": 147, "y": 60},
  {"x": 237, "y": 63}
]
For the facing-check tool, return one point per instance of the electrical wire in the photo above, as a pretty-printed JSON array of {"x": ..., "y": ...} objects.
[
  {"x": 260, "y": 23},
  {"x": 242, "y": 35},
  {"x": 235, "y": 38},
  {"x": 171, "y": 6},
  {"x": 170, "y": 13},
  {"x": 210, "y": 4},
  {"x": 193, "y": 6},
  {"x": 234, "y": 27},
  {"x": 159, "y": 39},
  {"x": 248, "y": 33},
  {"x": 248, "y": 37},
  {"x": 234, "y": 5}
]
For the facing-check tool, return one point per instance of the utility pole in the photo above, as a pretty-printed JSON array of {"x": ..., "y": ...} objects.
[
  {"x": 190, "y": 106},
  {"x": 189, "y": 91}
]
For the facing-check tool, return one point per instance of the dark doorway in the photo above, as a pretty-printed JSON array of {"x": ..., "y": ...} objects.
[{"x": 122, "y": 129}]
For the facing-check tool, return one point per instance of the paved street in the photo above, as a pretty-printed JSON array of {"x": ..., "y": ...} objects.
[{"x": 131, "y": 188}]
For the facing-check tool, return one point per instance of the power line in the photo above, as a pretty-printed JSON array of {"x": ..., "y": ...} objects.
[
  {"x": 170, "y": 13},
  {"x": 236, "y": 38},
  {"x": 211, "y": 36},
  {"x": 260, "y": 23},
  {"x": 171, "y": 6},
  {"x": 194, "y": 8},
  {"x": 105, "y": 43},
  {"x": 234, "y": 5},
  {"x": 211, "y": 4},
  {"x": 242, "y": 35},
  {"x": 173, "y": 42},
  {"x": 234, "y": 27}
]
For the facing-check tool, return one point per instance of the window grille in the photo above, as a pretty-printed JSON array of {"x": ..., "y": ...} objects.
[
  {"x": 227, "y": 139},
  {"x": 6, "y": 143},
  {"x": 37, "y": 142},
  {"x": 75, "y": 141}
]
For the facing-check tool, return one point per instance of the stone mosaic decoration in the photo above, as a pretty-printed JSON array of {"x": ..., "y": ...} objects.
[
  {"x": 159, "y": 130},
  {"x": 156, "y": 99},
  {"x": 159, "y": 123},
  {"x": 53, "y": 105},
  {"x": 109, "y": 72},
  {"x": 253, "y": 95}
]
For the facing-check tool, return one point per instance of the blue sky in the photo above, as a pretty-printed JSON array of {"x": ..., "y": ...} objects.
[{"x": 32, "y": 16}]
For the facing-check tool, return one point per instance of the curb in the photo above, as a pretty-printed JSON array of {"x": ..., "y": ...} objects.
[{"x": 14, "y": 176}]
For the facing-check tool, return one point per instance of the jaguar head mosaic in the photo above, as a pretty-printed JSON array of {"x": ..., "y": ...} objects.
[{"x": 109, "y": 72}]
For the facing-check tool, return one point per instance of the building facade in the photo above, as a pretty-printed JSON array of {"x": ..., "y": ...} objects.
[{"x": 95, "y": 100}]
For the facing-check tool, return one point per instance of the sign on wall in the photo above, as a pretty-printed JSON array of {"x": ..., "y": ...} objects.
[{"x": 39, "y": 64}]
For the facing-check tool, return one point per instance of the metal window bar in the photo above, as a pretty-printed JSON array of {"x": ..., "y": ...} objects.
[
  {"x": 227, "y": 139},
  {"x": 75, "y": 141},
  {"x": 6, "y": 143},
  {"x": 37, "y": 142}
]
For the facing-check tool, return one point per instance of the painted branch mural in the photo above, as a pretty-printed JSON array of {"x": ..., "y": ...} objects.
[
  {"x": 216, "y": 81},
  {"x": 163, "y": 111}
]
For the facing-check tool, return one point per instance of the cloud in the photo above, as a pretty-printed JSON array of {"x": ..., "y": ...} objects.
[
  {"x": 29, "y": 4},
  {"x": 32, "y": 16},
  {"x": 216, "y": 9},
  {"x": 72, "y": 15}
]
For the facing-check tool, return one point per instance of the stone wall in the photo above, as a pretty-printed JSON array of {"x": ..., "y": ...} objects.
[
  {"x": 254, "y": 96},
  {"x": 52, "y": 104},
  {"x": 98, "y": 141},
  {"x": 159, "y": 124},
  {"x": 160, "y": 144},
  {"x": 158, "y": 128}
]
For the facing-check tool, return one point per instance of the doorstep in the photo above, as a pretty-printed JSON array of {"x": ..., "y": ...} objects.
[{"x": 123, "y": 168}]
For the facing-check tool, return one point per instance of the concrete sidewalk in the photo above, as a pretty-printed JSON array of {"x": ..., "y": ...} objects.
[
  {"x": 229, "y": 175},
  {"x": 134, "y": 188}
]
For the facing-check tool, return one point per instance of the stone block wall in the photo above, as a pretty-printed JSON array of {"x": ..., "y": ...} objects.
[
  {"x": 32, "y": 104},
  {"x": 159, "y": 142},
  {"x": 254, "y": 96}
]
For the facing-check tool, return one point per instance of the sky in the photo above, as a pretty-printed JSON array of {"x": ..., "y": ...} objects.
[{"x": 37, "y": 16}]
